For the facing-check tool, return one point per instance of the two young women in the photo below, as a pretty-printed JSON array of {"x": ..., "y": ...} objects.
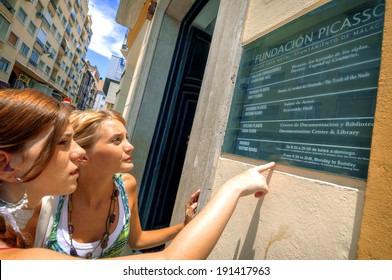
[
  {"x": 37, "y": 152},
  {"x": 101, "y": 217}
]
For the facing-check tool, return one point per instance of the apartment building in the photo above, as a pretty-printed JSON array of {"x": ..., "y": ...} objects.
[
  {"x": 87, "y": 93},
  {"x": 43, "y": 44},
  {"x": 112, "y": 82}
]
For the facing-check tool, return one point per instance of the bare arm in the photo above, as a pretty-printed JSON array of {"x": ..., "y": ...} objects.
[
  {"x": 208, "y": 224},
  {"x": 142, "y": 239},
  {"x": 199, "y": 237}
]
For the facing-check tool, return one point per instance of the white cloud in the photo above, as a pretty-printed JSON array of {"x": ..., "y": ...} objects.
[{"x": 108, "y": 36}]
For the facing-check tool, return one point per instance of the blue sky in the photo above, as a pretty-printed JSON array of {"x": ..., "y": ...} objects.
[{"x": 108, "y": 36}]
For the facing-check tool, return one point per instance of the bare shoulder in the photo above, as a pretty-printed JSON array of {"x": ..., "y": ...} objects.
[{"x": 129, "y": 182}]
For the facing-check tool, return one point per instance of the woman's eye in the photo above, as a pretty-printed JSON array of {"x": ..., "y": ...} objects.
[{"x": 64, "y": 142}]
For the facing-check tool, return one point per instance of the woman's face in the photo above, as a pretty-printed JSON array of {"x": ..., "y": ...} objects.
[
  {"x": 112, "y": 151},
  {"x": 60, "y": 175}
]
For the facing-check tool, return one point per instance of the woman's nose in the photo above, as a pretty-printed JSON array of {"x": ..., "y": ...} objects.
[
  {"x": 77, "y": 152},
  {"x": 129, "y": 147}
]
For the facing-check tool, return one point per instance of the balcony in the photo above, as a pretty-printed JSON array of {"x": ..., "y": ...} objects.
[
  {"x": 54, "y": 5},
  {"x": 46, "y": 18},
  {"x": 40, "y": 43},
  {"x": 68, "y": 30},
  {"x": 8, "y": 6},
  {"x": 33, "y": 62},
  {"x": 73, "y": 16},
  {"x": 124, "y": 49}
]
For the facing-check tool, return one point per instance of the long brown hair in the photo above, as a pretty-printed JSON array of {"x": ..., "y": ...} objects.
[{"x": 23, "y": 115}]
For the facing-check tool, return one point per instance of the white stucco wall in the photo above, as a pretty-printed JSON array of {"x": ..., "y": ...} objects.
[
  {"x": 111, "y": 95},
  {"x": 299, "y": 218}
]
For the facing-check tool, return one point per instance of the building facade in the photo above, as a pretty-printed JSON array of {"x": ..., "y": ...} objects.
[
  {"x": 88, "y": 89},
  {"x": 193, "y": 66},
  {"x": 100, "y": 99},
  {"x": 43, "y": 44},
  {"x": 112, "y": 81}
]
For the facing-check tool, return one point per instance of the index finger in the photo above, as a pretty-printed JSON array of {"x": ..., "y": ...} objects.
[
  {"x": 265, "y": 167},
  {"x": 194, "y": 197}
]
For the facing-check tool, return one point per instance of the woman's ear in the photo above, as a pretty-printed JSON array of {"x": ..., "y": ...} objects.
[{"x": 5, "y": 167}]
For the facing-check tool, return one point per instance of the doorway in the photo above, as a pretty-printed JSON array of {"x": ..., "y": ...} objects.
[{"x": 162, "y": 174}]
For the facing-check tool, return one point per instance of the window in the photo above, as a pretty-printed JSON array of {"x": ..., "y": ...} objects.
[
  {"x": 53, "y": 54},
  {"x": 13, "y": 39},
  {"x": 24, "y": 49},
  {"x": 4, "y": 25},
  {"x": 58, "y": 37},
  {"x": 39, "y": 6},
  {"x": 41, "y": 65},
  {"x": 32, "y": 28},
  {"x": 22, "y": 15},
  {"x": 59, "y": 12},
  {"x": 47, "y": 70},
  {"x": 41, "y": 38},
  {"x": 53, "y": 29},
  {"x": 48, "y": 46},
  {"x": 51, "y": 14},
  {"x": 4, "y": 65},
  {"x": 78, "y": 28},
  {"x": 34, "y": 57}
]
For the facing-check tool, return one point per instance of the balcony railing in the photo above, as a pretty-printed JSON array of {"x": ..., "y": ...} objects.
[
  {"x": 46, "y": 18},
  {"x": 68, "y": 30},
  {"x": 40, "y": 43},
  {"x": 33, "y": 62},
  {"x": 8, "y": 6},
  {"x": 54, "y": 5}
]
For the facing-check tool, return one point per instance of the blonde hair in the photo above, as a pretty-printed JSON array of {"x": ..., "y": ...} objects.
[{"x": 86, "y": 124}]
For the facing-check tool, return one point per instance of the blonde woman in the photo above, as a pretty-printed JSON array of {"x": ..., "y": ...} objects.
[{"x": 101, "y": 217}]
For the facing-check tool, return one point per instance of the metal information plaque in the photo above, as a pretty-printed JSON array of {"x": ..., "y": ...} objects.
[{"x": 306, "y": 93}]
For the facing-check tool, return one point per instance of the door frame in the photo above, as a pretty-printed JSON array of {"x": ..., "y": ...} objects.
[{"x": 161, "y": 134}]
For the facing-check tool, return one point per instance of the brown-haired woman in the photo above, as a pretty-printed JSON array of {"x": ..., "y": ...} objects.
[{"x": 38, "y": 157}]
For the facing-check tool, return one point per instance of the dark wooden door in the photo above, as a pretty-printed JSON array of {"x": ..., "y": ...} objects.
[{"x": 167, "y": 154}]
